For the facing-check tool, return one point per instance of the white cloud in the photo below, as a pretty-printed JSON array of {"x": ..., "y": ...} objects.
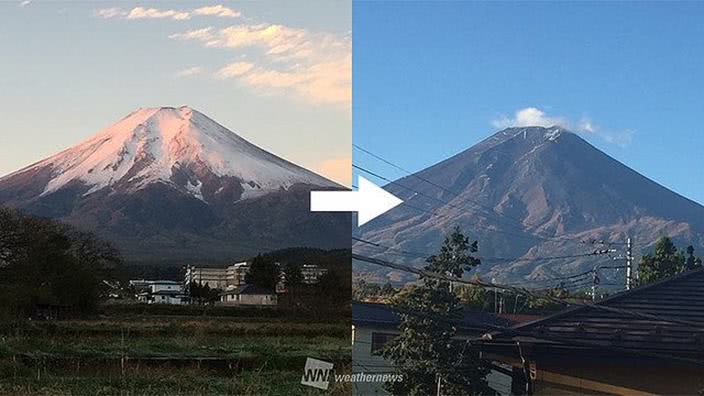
[
  {"x": 154, "y": 13},
  {"x": 532, "y": 116},
  {"x": 25, "y": 3},
  {"x": 314, "y": 66},
  {"x": 529, "y": 116},
  {"x": 108, "y": 13},
  {"x": 142, "y": 13},
  {"x": 191, "y": 71},
  {"x": 217, "y": 10},
  {"x": 199, "y": 34}
]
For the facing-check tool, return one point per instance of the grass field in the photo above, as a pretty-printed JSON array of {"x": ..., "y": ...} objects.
[{"x": 152, "y": 354}]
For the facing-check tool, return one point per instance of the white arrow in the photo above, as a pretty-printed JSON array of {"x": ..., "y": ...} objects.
[{"x": 369, "y": 201}]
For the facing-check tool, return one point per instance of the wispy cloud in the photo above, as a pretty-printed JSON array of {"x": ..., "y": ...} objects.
[
  {"x": 217, "y": 10},
  {"x": 204, "y": 34},
  {"x": 311, "y": 65},
  {"x": 532, "y": 116},
  {"x": 154, "y": 13},
  {"x": 142, "y": 13},
  {"x": 109, "y": 13},
  {"x": 283, "y": 60},
  {"x": 191, "y": 71},
  {"x": 25, "y": 3}
]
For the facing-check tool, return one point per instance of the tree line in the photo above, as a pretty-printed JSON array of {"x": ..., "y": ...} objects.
[{"x": 44, "y": 263}]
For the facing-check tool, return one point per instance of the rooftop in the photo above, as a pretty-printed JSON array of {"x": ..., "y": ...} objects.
[{"x": 665, "y": 317}]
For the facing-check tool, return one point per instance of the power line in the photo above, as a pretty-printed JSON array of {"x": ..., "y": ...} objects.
[
  {"x": 490, "y": 259},
  {"x": 524, "y": 291},
  {"x": 521, "y": 222},
  {"x": 496, "y": 215},
  {"x": 560, "y": 280}
]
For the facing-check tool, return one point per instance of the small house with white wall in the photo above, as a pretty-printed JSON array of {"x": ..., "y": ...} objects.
[{"x": 248, "y": 295}]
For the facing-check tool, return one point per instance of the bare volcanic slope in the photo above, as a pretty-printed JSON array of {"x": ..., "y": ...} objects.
[
  {"x": 172, "y": 184},
  {"x": 531, "y": 192}
]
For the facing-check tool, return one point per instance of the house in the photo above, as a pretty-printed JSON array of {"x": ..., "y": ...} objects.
[
  {"x": 373, "y": 325},
  {"x": 248, "y": 295},
  {"x": 168, "y": 297},
  {"x": 645, "y": 341},
  {"x": 159, "y": 291}
]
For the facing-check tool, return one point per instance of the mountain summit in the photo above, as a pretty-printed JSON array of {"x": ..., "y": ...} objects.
[
  {"x": 173, "y": 182},
  {"x": 533, "y": 192},
  {"x": 176, "y": 146}
]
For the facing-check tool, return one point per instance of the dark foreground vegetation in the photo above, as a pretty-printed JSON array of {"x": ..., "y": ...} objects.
[
  {"x": 127, "y": 352},
  {"x": 61, "y": 335},
  {"x": 44, "y": 263}
]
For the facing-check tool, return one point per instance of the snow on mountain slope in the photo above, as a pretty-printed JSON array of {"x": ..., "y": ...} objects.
[
  {"x": 152, "y": 144},
  {"x": 172, "y": 185}
]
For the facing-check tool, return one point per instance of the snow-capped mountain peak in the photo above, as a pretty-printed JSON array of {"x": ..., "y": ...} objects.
[{"x": 177, "y": 146}]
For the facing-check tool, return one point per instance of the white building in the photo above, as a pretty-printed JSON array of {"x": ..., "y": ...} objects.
[
  {"x": 248, "y": 295},
  {"x": 236, "y": 274},
  {"x": 218, "y": 278},
  {"x": 215, "y": 278},
  {"x": 159, "y": 292}
]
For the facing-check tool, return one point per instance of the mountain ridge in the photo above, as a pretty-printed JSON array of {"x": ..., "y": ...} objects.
[
  {"x": 526, "y": 182},
  {"x": 173, "y": 183}
]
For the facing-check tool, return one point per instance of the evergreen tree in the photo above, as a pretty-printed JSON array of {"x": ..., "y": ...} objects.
[
  {"x": 692, "y": 262},
  {"x": 664, "y": 262},
  {"x": 425, "y": 352}
]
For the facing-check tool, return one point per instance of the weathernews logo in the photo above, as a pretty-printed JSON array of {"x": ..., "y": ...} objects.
[{"x": 318, "y": 374}]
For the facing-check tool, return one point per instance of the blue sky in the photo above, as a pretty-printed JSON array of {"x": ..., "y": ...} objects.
[
  {"x": 277, "y": 73},
  {"x": 431, "y": 79}
]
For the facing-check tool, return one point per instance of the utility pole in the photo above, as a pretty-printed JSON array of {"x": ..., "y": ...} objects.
[
  {"x": 496, "y": 297},
  {"x": 595, "y": 282},
  {"x": 629, "y": 263},
  {"x": 631, "y": 275}
]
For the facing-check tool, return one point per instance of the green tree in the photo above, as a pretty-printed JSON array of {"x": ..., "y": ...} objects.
[
  {"x": 474, "y": 297},
  {"x": 665, "y": 261},
  {"x": 692, "y": 262},
  {"x": 44, "y": 262},
  {"x": 263, "y": 272},
  {"x": 425, "y": 352}
]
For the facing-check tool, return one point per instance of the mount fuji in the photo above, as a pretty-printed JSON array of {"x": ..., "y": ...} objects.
[
  {"x": 171, "y": 184},
  {"x": 525, "y": 194}
]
